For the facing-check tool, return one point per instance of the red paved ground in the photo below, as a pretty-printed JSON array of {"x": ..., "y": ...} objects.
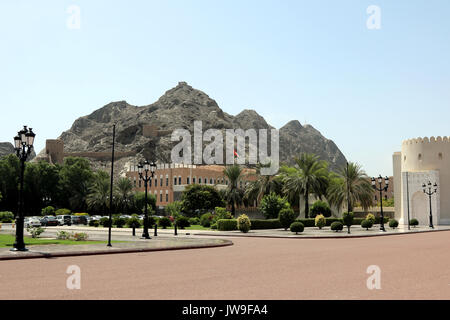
[{"x": 413, "y": 267}]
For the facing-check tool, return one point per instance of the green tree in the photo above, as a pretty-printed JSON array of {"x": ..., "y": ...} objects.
[
  {"x": 124, "y": 194},
  {"x": 99, "y": 192},
  {"x": 198, "y": 199},
  {"x": 139, "y": 202},
  {"x": 272, "y": 204},
  {"x": 308, "y": 176},
  {"x": 234, "y": 195},
  {"x": 174, "y": 209},
  {"x": 9, "y": 182},
  {"x": 350, "y": 186},
  {"x": 261, "y": 185},
  {"x": 76, "y": 177}
]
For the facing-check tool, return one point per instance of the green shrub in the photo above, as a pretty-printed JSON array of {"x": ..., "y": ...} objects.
[
  {"x": 348, "y": 218},
  {"x": 183, "y": 222},
  {"x": 320, "y": 221},
  {"x": 134, "y": 222},
  {"x": 194, "y": 221},
  {"x": 119, "y": 222},
  {"x": 221, "y": 213},
  {"x": 297, "y": 227},
  {"x": 104, "y": 221},
  {"x": 81, "y": 214},
  {"x": 378, "y": 220},
  {"x": 48, "y": 211},
  {"x": 337, "y": 226},
  {"x": 80, "y": 236},
  {"x": 151, "y": 221},
  {"x": 63, "y": 212},
  {"x": 286, "y": 217},
  {"x": 393, "y": 223},
  {"x": 243, "y": 223},
  {"x": 164, "y": 222},
  {"x": 35, "y": 231},
  {"x": 414, "y": 222},
  {"x": 367, "y": 224},
  {"x": 206, "y": 220},
  {"x": 94, "y": 223},
  {"x": 6, "y": 217},
  {"x": 227, "y": 224},
  {"x": 62, "y": 235},
  {"x": 272, "y": 204},
  {"x": 371, "y": 218},
  {"x": 320, "y": 207},
  {"x": 259, "y": 224},
  {"x": 214, "y": 226}
]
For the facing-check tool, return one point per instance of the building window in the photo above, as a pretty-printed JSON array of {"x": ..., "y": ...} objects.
[
  {"x": 206, "y": 181},
  {"x": 193, "y": 180},
  {"x": 161, "y": 180},
  {"x": 420, "y": 156},
  {"x": 167, "y": 196},
  {"x": 440, "y": 156},
  {"x": 160, "y": 197},
  {"x": 156, "y": 182},
  {"x": 200, "y": 180},
  {"x": 140, "y": 183},
  {"x": 174, "y": 181},
  {"x": 135, "y": 182},
  {"x": 211, "y": 181},
  {"x": 167, "y": 180},
  {"x": 188, "y": 180},
  {"x": 179, "y": 180}
]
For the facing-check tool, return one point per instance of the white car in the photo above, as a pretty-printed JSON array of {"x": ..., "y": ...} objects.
[{"x": 32, "y": 222}]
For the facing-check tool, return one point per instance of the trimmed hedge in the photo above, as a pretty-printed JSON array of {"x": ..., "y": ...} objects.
[
  {"x": 227, "y": 224},
  {"x": 259, "y": 224}
]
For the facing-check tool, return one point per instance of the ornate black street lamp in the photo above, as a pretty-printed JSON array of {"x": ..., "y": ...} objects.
[
  {"x": 46, "y": 200},
  {"x": 144, "y": 170},
  {"x": 430, "y": 192},
  {"x": 23, "y": 144},
  {"x": 381, "y": 189}
]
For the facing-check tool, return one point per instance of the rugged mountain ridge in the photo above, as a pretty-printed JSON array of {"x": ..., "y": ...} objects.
[
  {"x": 179, "y": 107},
  {"x": 8, "y": 148}
]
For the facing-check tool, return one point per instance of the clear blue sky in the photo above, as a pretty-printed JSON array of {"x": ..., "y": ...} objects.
[{"x": 314, "y": 61}]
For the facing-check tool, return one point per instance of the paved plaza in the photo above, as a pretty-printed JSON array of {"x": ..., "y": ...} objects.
[{"x": 413, "y": 266}]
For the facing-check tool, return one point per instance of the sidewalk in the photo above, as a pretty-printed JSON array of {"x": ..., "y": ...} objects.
[{"x": 52, "y": 251}]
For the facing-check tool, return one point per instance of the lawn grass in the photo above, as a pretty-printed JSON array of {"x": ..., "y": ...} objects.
[
  {"x": 7, "y": 241},
  {"x": 194, "y": 227}
]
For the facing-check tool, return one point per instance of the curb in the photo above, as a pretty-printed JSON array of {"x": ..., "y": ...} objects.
[
  {"x": 37, "y": 255},
  {"x": 320, "y": 237}
]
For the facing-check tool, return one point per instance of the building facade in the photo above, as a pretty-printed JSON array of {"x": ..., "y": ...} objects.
[
  {"x": 419, "y": 162},
  {"x": 170, "y": 180}
]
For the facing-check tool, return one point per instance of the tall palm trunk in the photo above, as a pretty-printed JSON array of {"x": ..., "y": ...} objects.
[
  {"x": 233, "y": 210},
  {"x": 307, "y": 204}
]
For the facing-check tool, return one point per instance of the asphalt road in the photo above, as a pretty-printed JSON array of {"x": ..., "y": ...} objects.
[{"x": 414, "y": 266}]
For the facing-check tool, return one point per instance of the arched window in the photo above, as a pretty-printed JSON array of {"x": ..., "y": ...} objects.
[
  {"x": 440, "y": 155},
  {"x": 420, "y": 156},
  {"x": 174, "y": 181},
  {"x": 179, "y": 179}
]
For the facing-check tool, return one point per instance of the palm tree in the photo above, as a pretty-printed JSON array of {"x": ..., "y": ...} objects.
[
  {"x": 308, "y": 176},
  {"x": 264, "y": 184},
  {"x": 124, "y": 193},
  {"x": 233, "y": 195},
  {"x": 98, "y": 196},
  {"x": 350, "y": 185}
]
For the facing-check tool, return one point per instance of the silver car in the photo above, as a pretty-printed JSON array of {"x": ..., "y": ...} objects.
[{"x": 32, "y": 222}]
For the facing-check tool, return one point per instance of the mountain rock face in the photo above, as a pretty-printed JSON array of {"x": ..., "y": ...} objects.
[
  {"x": 178, "y": 108},
  {"x": 8, "y": 148}
]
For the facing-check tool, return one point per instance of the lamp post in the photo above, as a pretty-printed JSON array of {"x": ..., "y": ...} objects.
[
  {"x": 381, "y": 189},
  {"x": 144, "y": 170},
  {"x": 23, "y": 145},
  {"x": 430, "y": 193},
  {"x": 46, "y": 200}
]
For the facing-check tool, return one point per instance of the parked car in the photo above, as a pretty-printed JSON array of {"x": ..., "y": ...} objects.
[
  {"x": 79, "y": 220},
  {"x": 32, "y": 222},
  {"x": 48, "y": 221},
  {"x": 96, "y": 218},
  {"x": 64, "y": 220}
]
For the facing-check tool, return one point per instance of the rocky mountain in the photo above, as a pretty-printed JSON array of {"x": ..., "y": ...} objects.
[
  {"x": 179, "y": 108},
  {"x": 8, "y": 148}
]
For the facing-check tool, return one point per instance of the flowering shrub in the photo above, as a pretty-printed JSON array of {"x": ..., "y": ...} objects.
[
  {"x": 35, "y": 231},
  {"x": 243, "y": 223},
  {"x": 320, "y": 221},
  {"x": 63, "y": 235},
  {"x": 81, "y": 236},
  {"x": 371, "y": 218}
]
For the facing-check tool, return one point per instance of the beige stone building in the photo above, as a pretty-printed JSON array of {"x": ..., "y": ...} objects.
[{"x": 420, "y": 161}]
